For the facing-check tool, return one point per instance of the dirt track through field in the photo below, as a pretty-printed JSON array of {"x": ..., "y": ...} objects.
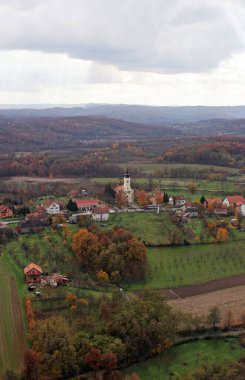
[{"x": 12, "y": 340}]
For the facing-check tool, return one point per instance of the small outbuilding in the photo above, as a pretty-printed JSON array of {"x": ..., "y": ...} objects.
[{"x": 33, "y": 273}]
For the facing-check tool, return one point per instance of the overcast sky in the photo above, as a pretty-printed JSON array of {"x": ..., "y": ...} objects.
[{"x": 156, "y": 52}]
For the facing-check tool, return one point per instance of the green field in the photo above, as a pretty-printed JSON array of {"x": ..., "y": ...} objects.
[
  {"x": 148, "y": 226},
  {"x": 157, "y": 228},
  {"x": 149, "y": 167},
  {"x": 12, "y": 341},
  {"x": 180, "y": 360},
  {"x": 186, "y": 265},
  {"x": 170, "y": 185}
]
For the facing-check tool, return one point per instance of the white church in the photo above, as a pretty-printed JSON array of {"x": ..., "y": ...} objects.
[{"x": 126, "y": 187}]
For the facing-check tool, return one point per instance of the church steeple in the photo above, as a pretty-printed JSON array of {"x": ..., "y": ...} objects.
[{"x": 127, "y": 175}]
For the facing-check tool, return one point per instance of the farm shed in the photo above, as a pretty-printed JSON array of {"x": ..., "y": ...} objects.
[{"x": 33, "y": 273}]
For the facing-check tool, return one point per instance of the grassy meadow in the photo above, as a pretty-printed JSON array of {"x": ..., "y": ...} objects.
[{"x": 182, "y": 359}]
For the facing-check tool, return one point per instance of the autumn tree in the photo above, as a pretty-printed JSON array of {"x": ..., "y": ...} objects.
[
  {"x": 102, "y": 276},
  {"x": 96, "y": 360},
  {"x": 31, "y": 362},
  {"x": 86, "y": 248},
  {"x": 121, "y": 198},
  {"x": 135, "y": 260},
  {"x": 192, "y": 187},
  {"x": 53, "y": 340},
  {"x": 158, "y": 196},
  {"x": 142, "y": 198},
  {"x": 221, "y": 234}
]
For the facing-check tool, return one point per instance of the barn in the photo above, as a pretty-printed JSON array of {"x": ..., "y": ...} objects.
[{"x": 33, "y": 273}]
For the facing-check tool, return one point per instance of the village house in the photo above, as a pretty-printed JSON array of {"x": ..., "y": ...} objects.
[
  {"x": 223, "y": 211},
  {"x": 179, "y": 200},
  {"x": 5, "y": 212},
  {"x": 234, "y": 201},
  {"x": 101, "y": 214},
  {"x": 33, "y": 273},
  {"x": 126, "y": 187},
  {"x": 42, "y": 218},
  {"x": 192, "y": 212},
  {"x": 51, "y": 207},
  {"x": 86, "y": 205}
]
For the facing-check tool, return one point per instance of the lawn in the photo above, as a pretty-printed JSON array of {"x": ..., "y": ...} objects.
[
  {"x": 180, "y": 360},
  {"x": 149, "y": 226},
  {"x": 177, "y": 266},
  {"x": 12, "y": 340}
]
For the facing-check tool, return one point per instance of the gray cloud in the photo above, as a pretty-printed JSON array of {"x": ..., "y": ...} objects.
[{"x": 142, "y": 35}]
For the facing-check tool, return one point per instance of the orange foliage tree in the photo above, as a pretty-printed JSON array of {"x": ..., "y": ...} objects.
[
  {"x": 121, "y": 198},
  {"x": 158, "y": 196},
  {"x": 86, "y": 248},
  {"x": 142, "y": 198},
  {"x": 221, "y": 234}
]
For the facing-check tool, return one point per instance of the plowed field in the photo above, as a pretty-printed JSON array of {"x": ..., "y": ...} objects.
[
  {"x": 232, "y": 299},
  {"x": 12, "y": 342}
]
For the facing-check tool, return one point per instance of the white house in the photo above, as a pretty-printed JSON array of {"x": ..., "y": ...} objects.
[
  {"x": 51, "y": 207},
  {"x": 101, "y": 214}
]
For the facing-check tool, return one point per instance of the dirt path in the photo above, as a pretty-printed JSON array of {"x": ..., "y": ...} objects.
[
  {"x": 207, "y": 287},
  {"x": 12, "y": 340}
]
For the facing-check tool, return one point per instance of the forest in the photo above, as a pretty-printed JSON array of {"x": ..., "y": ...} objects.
[{"x": 215, "y": 153}]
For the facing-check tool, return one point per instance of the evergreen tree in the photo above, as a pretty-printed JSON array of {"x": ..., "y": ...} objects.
[
  {"x": 72, "y": 206},
  {"x": 202, "y": 199},
  {"x": 165, "y": 198}
]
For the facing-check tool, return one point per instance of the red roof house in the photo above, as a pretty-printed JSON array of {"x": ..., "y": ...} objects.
[
  {"x": 234, "y": 201},
  {"x": 86, "y": 204},
  {"x": 33, "y": 273},
  {"x": 5, "y": 212}
]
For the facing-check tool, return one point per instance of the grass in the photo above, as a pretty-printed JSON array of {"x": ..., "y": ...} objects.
[
  {"x": 180, "y": 360},
  {"x": 147, "y": 226},
  {"x": 186, "y": 265},
  {"x": 149, "y": 167}
]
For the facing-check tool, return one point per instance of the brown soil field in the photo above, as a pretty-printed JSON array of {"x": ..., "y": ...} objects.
[
  {"x": 12, "y": 340},
  {"x": 232, "y": 299},
  {"x": 207, "y": 287},
  {"x": 42, "y": 179}
]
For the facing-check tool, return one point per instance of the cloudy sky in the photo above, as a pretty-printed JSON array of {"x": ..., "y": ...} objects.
[{"x": 156, "y": 52}]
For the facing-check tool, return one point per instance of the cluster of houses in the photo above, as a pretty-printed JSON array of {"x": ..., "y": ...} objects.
[
  {"x": 43, "y": 213},
  {"x": 216, "y": 206}
]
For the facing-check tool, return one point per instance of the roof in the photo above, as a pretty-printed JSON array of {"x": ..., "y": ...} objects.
[
  {"x": 32, "y": 266},
  {"x": 86, "y": 202},
  {"x": 179, "y": 198},
  {"x": 236, "y": 199},
  {"x": 101, "y": 210},
  {"x": 4, "y": 208},
  {"x": 48, "y": 203},
  {"x": 36, "y": 215}
]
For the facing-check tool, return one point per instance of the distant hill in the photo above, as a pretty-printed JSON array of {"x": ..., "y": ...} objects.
[
  {"x": 132, "y": 113},
  {"x": 43, "y": 133}
]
